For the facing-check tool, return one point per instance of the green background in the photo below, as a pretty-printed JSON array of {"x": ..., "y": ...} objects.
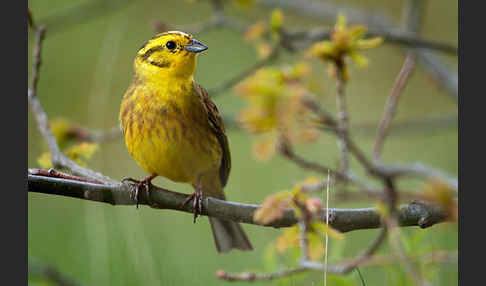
[{"x": 86, "y": 69}]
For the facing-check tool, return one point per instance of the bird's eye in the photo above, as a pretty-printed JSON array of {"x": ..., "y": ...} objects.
[{"x": 170, "y": 45}]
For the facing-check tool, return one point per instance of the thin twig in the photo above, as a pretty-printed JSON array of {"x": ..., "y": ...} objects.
[
  {"x": 436, "y": 257},
  {"x": 58, "y": 158},
  {"x": 405, "y": 127},
  {"x": 332, "y": 124},
  {"x": 343, "y": 117},
  {"x": 391, "y": 104},
  {"x": 40, "y": 35},
  {"x": 378, "y": 170},
  {"x": 56, "y": 174},
  {"x": 250, "y": 276},
  {"x": 286, "y": 150},
  {"x": 366, "y": 255},
  {"x": 396, "y": 243},
  {"x": 446, "y": 78},
  {"x": 396, "y": 37},
  {"x": 306, "y": 266}
]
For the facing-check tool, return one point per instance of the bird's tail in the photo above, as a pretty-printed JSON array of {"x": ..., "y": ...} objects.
[{"x": 228, "y": 235}]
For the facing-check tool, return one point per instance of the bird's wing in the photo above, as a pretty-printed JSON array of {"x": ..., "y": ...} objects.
[{"x": 216, "y": 123}]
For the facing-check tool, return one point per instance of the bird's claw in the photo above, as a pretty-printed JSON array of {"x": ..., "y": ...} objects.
[
  {"x": 196, "y": 203},
  {"x": 147, "y": 183}
]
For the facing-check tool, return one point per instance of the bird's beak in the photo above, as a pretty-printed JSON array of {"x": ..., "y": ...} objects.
[{"x": 195, "y": 46}]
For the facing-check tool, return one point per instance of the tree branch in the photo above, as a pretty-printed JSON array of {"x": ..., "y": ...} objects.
[
  {"x": 342, "y": 268},
  {"x": 378, "y": 170},
  {"x": 57, "y": 157},
  {"x": 390, "y": 106},
  {"x": 413, "y": 214},
  {"x": 343, "y": 117},
  {"x": 377, "y": 22},
  {"x": 405, "y": 39}
]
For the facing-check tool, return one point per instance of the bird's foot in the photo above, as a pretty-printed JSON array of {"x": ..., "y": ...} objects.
[
  {"x": 197, "y": 202},
  {"x": 145, "y": 183}
]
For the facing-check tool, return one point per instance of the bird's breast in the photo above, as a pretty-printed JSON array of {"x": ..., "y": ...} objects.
[{"x": 169, "y": 136}]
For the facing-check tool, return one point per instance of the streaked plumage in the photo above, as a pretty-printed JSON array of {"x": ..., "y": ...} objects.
[{"x": 173, "y": 129}]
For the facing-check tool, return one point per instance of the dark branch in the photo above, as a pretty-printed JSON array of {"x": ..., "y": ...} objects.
[{"x": 344, "y": 220}]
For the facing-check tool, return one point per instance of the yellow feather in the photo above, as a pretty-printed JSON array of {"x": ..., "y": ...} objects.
[
  {"x": 165, "y": 124},
  {"x": 172, "y": 129}
]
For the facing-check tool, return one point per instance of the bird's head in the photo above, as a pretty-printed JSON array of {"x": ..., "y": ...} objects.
[{"x": 170, "y": 53}]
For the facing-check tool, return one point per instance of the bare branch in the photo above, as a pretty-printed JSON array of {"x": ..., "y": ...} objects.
[
  {"x": 57, "y": 157},
  {"x": 419, "y": 125},
  {"x": 377, "y": 22},
  {"x": 419, "y": 171},
  {"x": 398, "y": 37},
  {"x": 390, "y": 106},
  {"x": 305, "y": 266},
  {"x": 286, "y": 150},
  {"x": 40, "y": 34},
  {"x": 378, "y": 170},
  {"x": 365, "y": 256},
  {"x": 56, "y": 174},
  {"x": 250, "y": 276},
  {"x": 413, "y": 214},
  {"x": 343, "y": 117},
  {"x": 440, "y": 73},
  {"x": 435, "y": 257},
  {"x": 438, "y": 257},
  {"x": 396, "y": 243},
  {"x": 413, "y": 15}
]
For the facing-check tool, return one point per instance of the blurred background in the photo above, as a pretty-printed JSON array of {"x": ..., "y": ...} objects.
[{"x": 87, "y": 66}]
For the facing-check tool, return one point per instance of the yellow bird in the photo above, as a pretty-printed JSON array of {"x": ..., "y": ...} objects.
[{"x": 173, "y": 129}]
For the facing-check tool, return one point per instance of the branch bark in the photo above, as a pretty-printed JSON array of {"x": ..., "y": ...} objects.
[{"x": 414, "y": 214}]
